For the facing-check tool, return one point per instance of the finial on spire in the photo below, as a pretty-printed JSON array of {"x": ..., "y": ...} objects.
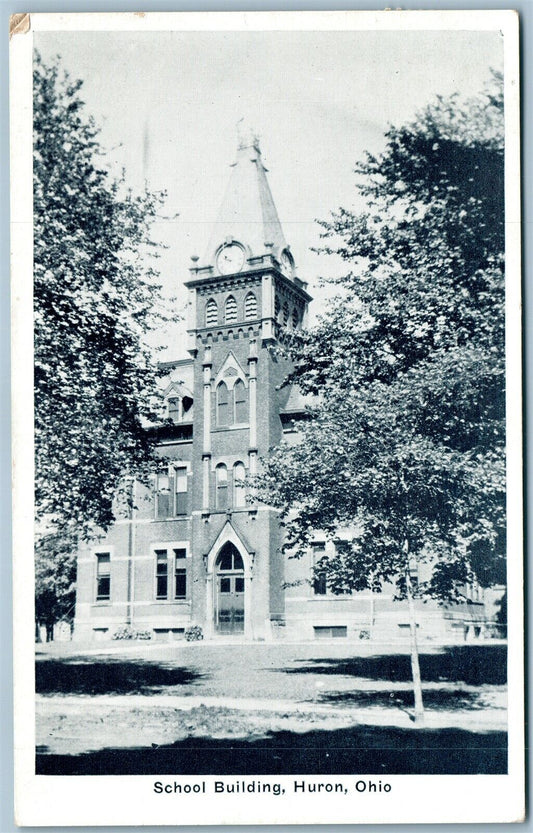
[{"x": 246, "y": 135}]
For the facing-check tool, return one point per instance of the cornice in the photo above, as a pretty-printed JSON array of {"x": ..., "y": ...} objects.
[
  {"x": 172, "y": 431},
  {"x": 206, "y": 285}
]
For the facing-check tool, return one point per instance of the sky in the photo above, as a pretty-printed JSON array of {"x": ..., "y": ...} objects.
[{"x": 168, "y": 104}]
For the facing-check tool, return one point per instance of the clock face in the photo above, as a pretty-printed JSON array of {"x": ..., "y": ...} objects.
[
  {"x": 230, "y": 259},
  {"x": 287, "y": 263}
]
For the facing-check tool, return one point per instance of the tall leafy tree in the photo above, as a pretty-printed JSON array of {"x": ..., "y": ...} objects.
[
  {"x": 55, "y": 580},
  {"x": 96, "y": 300},
  {"x": 407, "y": 437}
]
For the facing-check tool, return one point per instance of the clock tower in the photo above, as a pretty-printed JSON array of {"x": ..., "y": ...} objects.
[
  {"x": 194, "y": 549},
  {"x": 244, "y": 295}
]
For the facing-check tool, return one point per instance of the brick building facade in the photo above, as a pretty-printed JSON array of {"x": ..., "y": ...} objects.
[{"x": 193, "y": 551}]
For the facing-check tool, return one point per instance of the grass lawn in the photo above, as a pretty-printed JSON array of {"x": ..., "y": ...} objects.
[{"x": 268, "y": 708}]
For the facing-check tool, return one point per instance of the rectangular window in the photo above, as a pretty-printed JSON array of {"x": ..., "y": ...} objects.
[
  {"x": 180, "y": 574},
  {"x": 103, "y": 576},
  {"x": 330, "y": 631},
  {"x": 319, "y": 577},
  {"x": 180, "y": 583},
  {"x": 342, "y": 551},
  {"x": 181, "y": 490},
  {"x": 174, "y": 410},
  {"x": 171, "y": 581},
  {"x": 320, "y": 585},
  {"x": 161, "y": 577},
  {"x": 163, "y": 496}
]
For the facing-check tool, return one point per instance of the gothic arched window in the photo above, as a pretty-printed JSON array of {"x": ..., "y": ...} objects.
[
  {"x": 295, "y": 317},
  {"x": 221, "y": 479},
  {"x": 229, "y": 558},
  {"x": 285, "y": 314},
  {"x": 240, "y": 400},
  {"x": 239, "y": 489},
  {"x": 222, "y": 404},
  {"x": 230, "y": 311},
  {"x": 250, "y": 306},
  {"x": 211, "y": 313}
]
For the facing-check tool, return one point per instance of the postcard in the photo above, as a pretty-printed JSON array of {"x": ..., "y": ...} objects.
[{"x": 267, "y": 385}]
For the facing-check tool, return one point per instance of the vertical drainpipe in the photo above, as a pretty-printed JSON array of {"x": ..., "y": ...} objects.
[
  {"x": 131, "y": 547},
  {"x": 252, "y": 469},
  {"x": 252, "y": 396},
  {"x": 207, "y": 366},
  {"x": 206, "y": 451}
]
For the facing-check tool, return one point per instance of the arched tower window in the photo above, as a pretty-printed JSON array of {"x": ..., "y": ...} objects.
[
  {"x": 222, "y": 404},
  {"x": 250, "y": 306},
  {"x": 285, "y": 314},
  {"x": 221, "y": 478},
  {"x": 239, "y": 489},
  {"x": 240, "y": 400},
  {"x": 295, "y": 317},
  {"x": 211, "y": 313},
  {"x": 276, "y": 308},
  {"x": 230, "y": 311}
]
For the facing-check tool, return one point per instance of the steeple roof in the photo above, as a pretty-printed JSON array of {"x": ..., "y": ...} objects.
[{"x": 247, "y": 214}]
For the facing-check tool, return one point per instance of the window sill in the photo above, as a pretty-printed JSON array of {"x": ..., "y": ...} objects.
[
  {"x": 238, "y": 426},
  {"x": 172, "y": 518},
  {"x": 168, "y": 602}
]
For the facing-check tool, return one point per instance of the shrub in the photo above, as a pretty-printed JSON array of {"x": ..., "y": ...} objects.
[
  {"x": 127, "y": 632},
  {"x": 194, "y": 633}
]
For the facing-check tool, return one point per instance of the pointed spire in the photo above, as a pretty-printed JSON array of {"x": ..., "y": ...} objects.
[
  {"x": 246, "y": 135},
  {"x": 247, "y": 214}
]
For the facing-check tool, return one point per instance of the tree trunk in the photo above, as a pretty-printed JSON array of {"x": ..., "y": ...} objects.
[{"x": 415, "y": 664}]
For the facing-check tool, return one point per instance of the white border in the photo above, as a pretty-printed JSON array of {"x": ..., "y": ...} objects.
[
  {"x": 129, "y": 800},
  {"x": 419, "y": 20}
]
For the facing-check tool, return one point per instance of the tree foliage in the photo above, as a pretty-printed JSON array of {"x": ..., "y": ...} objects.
[
  {"x": 406, "y": 445},
  {"x": 55, "y": 579},
  {"x": 96, "y": 299}
]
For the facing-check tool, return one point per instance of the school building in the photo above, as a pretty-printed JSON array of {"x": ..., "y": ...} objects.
[{"x": 194, "y": 551}]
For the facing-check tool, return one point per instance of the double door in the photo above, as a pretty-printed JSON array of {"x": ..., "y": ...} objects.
[{"x": 229, "y": 614}]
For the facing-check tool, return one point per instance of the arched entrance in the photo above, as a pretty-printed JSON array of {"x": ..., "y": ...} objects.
[{"x": 229, "y": 590}]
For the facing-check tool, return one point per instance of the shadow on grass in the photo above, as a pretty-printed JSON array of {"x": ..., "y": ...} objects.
[
  {"x": 438, "y": 699},
  {"x": 371, "y": 750},
  {"x": 470, "y": 664},
  {"x": 112, "y": 676}
]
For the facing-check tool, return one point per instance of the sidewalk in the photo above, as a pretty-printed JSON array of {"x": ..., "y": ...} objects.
[{"x": 488, "y": 719}]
